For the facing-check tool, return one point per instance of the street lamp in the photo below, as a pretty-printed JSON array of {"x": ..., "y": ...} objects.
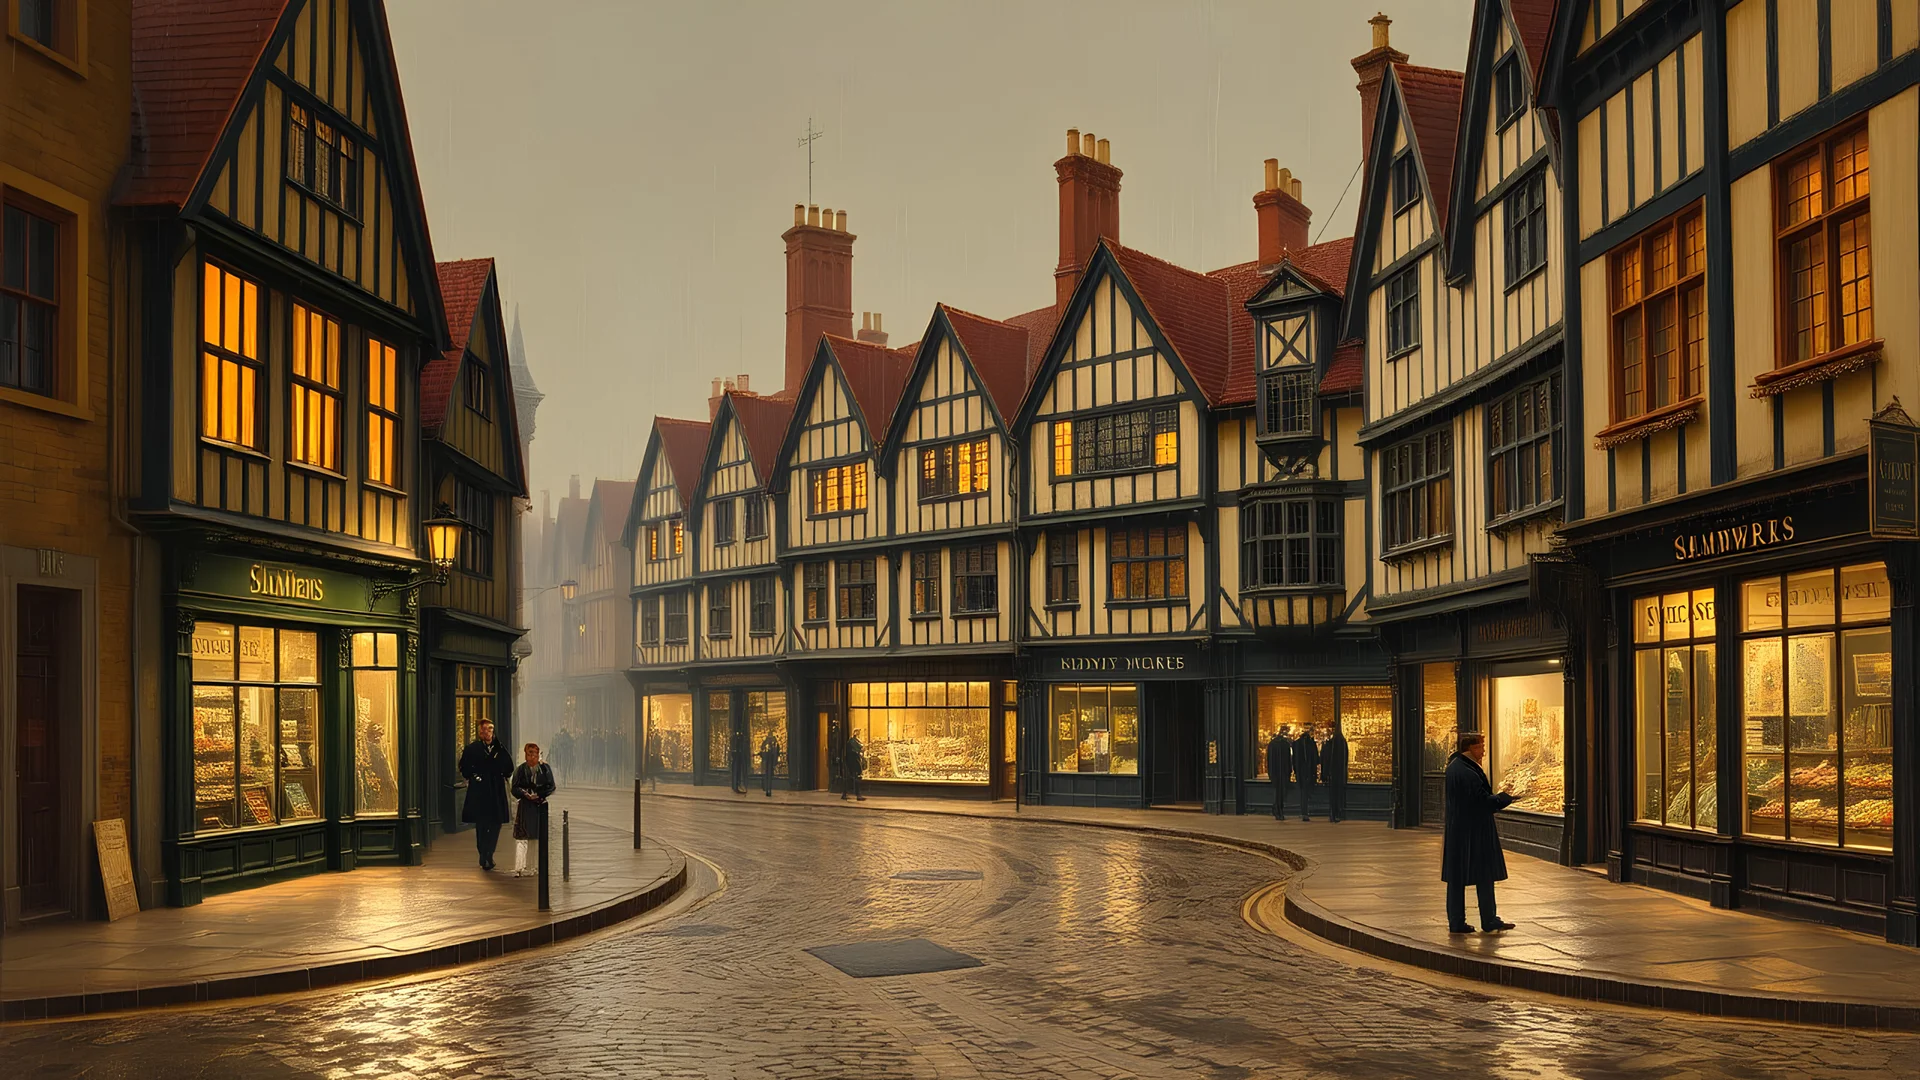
[
  {"x": 443, "y": 547},
  {"x": 568, "y": 589}
]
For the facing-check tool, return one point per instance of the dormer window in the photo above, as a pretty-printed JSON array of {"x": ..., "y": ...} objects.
[
  {"x": 1287, "y": 377},
  {"x": 1406, "y": 183},
  {"x": 1509, "y": 95}
]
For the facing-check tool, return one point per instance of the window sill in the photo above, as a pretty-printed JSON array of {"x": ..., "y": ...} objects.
[
  {"x": 1539, "y": 269},
  {"x": 74, "y": 65},
  {"x": 671, "y": 643},
  {"x": 962, "y": 496},
  {"x": 854, "y": 622},
  {"x": 1257, "y": 591},
  {"x": 1665, "y": 418},
  {"x": 1828, "y": 365},
  {"x": 836, "y": 514},
  {"x": 235, "y": 448},
  {"x": 351, "y": 217},
  {"x": 383, "y": 487},
  {"x": 962, "y": 616},
  {"x": 924, "y": 616},
  {"x": 1521, "y": 517},
  {"x": 1168, "y": 601},
  {"x": 1421, "y": 547},
  {"x": 750, "y": 537},
  {"x": 1063, "y": 605},
  {"x": 760, "y": 633},
  {"x": 1102, "y": 473},
  {"x": 720, "y": 637},
  {"x": 1403, "y": 352},
  {"x": 814, "y": 624},
  {"x": 27, "y": 399},
  {"x": 722, "y": 543},
  {"x": 1285, "y": 436},
  {"x": 318, "y": 472}
]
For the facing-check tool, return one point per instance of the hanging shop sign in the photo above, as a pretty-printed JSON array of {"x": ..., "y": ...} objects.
[{"x": 1894, "y": 452}]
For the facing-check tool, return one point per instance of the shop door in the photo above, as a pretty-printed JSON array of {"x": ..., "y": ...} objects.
[
  {"x": 43, "y": 666},
  {"x": 1176, "y": 734}
]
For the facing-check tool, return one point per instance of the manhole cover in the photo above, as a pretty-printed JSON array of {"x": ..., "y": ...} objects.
[
  {"x": 913, "y": 956},
  {"x": 696, "y": 930},
  {"x": 938, "y": 875}
]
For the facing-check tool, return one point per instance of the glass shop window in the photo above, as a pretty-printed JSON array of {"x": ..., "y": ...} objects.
[
  {"x": 1675, "y": 681},
  {"x": 767, "y": 715},
  {"x": 376, "y": 722},
  {"x": 1096, "y": 729},
  {"x": 933, "y": 732},
  {"x": 256, "y": 726},
  {"x": 1526, "y": 721},
  {"x": 670, "y": 730}
]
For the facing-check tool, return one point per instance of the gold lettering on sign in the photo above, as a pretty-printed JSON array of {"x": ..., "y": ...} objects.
[
  {"x": 1734, "y": 539},
  {"x": 1123, "y": 663},
  {"x": 284, "y": 584}
]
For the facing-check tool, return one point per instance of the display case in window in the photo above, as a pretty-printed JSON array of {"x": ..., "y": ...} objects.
[
  {"x": 1439, "y": 716},
  {"x": 1526, "y": 716},
  {"x": 376, "y": 722},
  {"x": 1366, "y": 718},
  {"x": 720, "y": 730},
  {"x": 927, "y": 732},
  {"x": 767, "y": 715},
  {"x": 256, "y": 726},
  {"x": 1096, "y": 729},
  {"x": 670, "y": 730}
]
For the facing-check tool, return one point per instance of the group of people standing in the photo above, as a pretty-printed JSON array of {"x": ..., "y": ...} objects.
[
  {"x": 740, "y": 762},
  {"x": 490, "y": 771},
  {"x": 1297, "y": 761}
]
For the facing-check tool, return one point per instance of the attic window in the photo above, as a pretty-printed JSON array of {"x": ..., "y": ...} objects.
[
  {"x": 320, "y": 160},
  {"x": 1509, "y": 96},
  {"x": 479, "y": 385},
  {"x": 1406, "y": 182}
]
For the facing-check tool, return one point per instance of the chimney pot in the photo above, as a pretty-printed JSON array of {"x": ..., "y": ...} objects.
[
  {"x": 1380, "y": 23},
  {"x": 1106, "y": 151},
  {"x": 1073, "y": 141},
  {"x": 819, "y": 288},
  {"x": 742, "y": 383},
  {"x": 1273, "y": 174},
  {"x": 1296, "y": 190},
  {"x": 840, "y": 221},
  {"x": 799, "y": 214},
  {"x": 876, "y": 320},
  {"x": 1089, "y": 207},
  {"x": 1283, "y": 180},
  {"x": 813, "y": 215},
  {"x": 866, "y": 320},
  {"x": 1089, "y": 146}
]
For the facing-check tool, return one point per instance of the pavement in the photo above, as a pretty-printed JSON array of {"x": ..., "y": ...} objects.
[
  {"x": 1097, "y": 954},
  {"x": 1377, "y": 890},
  {"x": 332, "y": 928}
]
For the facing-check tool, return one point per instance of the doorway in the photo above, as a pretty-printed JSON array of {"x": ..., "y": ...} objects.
[
  {"x": 1177, "y": 736},
  {"x": 46, "y": 742}
]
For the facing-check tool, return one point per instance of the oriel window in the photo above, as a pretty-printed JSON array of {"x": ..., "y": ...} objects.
[
  {"x": 1290, "y": 543},
  {"x": 313, "y": 415},
  {"x": 1657, "y": 289},
  {"x": 383, "y": 414},
  {"x": 1825, "y": 261},
  {"x": 230, "y": 368},
  {"x": 29, "y": 299}
]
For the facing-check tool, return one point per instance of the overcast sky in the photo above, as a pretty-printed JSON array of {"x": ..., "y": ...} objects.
[{"x": 632, "y": 165}]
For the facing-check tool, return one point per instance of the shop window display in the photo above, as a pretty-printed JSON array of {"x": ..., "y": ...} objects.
[
  {"x": 1439, "y": 716},
  {"x": 376, "y": 722},
  {"x": 1676, "y": 679},
  {"x": 720, "y": 730},
  {"x": 767, "y": 715},
  {"x": 1526, "y": 745},
  {"x": 473, "y": 701},
  {"x": 670, "y": 716},
  {"x": 1096, "y": 729},
  {"x": 1365, "y": 714},
  {"x": 1816, "y": 676},
  {"x": 1289, "y": 708},
  {"x": 256, "y": 726},
  {"x": 927, "y": 732}
]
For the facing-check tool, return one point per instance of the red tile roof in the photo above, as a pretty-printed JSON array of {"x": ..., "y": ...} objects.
[
  {"x": 764, "y": 420},
  {"x": 1325, "y": 265},
  {"x": 1348, "y": 372},
  {"x": 1040, "y": 324},
  {"x": 1193, "y": 310},
  {"x": 1432, "y": 100},
  {"x": 875, "y": 376},
  {"x": 611, "y": 501},
  {"x": 1534, "y": 20},
  {"x": 998, "y": 352},
  {"x": 462, "y": 284},
  {"x": 191, "y": 61},
  {"x": 685, "y": 444}
]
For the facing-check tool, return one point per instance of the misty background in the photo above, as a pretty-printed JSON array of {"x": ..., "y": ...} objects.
[{"x": 632, "y": 165}]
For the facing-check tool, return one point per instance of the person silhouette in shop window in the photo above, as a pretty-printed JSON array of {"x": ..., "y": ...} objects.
[
  {"x": 769, "y": 761},
  {"x": 1306, "y": 762},
  {"x": 1333, "y": 773},
  {"x": 855, "y": 767},
  {"x": 1279, "y": 767}
]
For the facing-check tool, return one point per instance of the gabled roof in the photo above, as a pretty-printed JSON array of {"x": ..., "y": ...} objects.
[
  {"x": 1321, "y": 266},
  {"x": 462, "y": 284},
  {"x": 1040, "y": 324},
  {"x": 875, "y": 375},
  {"x": 607, "y": 513},
  {"x": 192, "y": 61},
  {"x": 998, "y": 352},
  {"x": 685, "y": 444},
  {"x": 1425, "y": 102},
  {"x": 1192, "y": 310},
  {"x": 1432, "y": 100},
  {"x": 1348, "y": 371},
  {"x": 1534, "y": 20},
  {"x": 764, "y": 422}
]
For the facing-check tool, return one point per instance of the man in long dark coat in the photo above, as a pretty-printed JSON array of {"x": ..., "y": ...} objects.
[
  {"x": 1306, "y": 762},
  {"x": 1279, "y": 768},
  {"x": 1333, "y": 773},
  {"x": 854, "y": 766},
  {"x": 769, "y": 761},
  {"x": 1470, "y": 853},
  {"x": 486, "y": 765}
]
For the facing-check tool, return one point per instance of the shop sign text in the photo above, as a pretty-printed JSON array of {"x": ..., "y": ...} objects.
[
  {"x": 282, "y": 584},
  {"x": 1123, "y": 663},
  {"x": 1734, "y": 539}
]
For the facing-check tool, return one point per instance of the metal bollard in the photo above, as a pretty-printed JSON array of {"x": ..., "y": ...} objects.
[
  {"x": 566, "y": 848},
  {"x": 544, "y": 899}
]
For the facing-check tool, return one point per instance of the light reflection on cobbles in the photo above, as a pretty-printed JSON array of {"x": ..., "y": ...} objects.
[{"x": 1107, "y": 954}]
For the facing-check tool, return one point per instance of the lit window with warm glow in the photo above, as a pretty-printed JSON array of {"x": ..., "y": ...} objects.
[
  {"x": 230, "y": 375},
  {"x": 383, "y": 415},
  {"x": 313, "y": 409}
]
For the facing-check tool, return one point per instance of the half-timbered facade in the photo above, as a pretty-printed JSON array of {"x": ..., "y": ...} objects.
[
  {"x": 475, "y": 474},
  {"x": 1742, "y": 254},
  {"x": 665, "y": 598},
  {"x": 280, "y": 295}
]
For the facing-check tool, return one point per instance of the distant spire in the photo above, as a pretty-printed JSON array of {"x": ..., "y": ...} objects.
[{"x": 526, "y": 396}]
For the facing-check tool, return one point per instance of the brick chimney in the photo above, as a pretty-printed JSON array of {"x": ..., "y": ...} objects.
[
  {"x": 573, "y": 486},
  {"x": 1372, "y": 66},
  {"x": 819, "y": 285},
  {"x": 1089, "y": 208},
  {"x": 870, "y": 329},
  {"x": 1282, "y": 217}
]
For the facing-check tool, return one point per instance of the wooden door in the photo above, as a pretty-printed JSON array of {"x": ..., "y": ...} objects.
[{"x": 43, "y": 664}]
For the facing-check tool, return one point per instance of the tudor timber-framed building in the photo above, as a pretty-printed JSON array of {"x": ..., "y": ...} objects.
[
  {"x": 1754, "y": 167},
  {"x": 278, "y": 303}
]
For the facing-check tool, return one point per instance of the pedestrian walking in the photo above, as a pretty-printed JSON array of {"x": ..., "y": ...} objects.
[
  {"x": 1333, "y": 773},
  {"x": 656, "y": 760},
  {"x": 532, "y": 785},
  {"x": 486, "y": 765},
  {"x": 769, "y": 761},
  {"x": 1470, "y": 849},
  {"x": 855, "y": 767},
  {"x": 738, "y": 753},
  {"x": 1306, "y": 762},
  {"x": 1279, "y": 767}
]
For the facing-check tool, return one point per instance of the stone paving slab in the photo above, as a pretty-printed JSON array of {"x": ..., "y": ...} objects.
[
  {"x": 332, "y": 928},
  {"x": 1377, "y": 890}
]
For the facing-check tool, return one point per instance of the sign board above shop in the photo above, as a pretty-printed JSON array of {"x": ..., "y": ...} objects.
[
  {"x": 286, "y": 585},
  {"x": 1742, "y": 535},
  {"x": 1120, "y": 663},
  {"x": 1893, "y": 452}
]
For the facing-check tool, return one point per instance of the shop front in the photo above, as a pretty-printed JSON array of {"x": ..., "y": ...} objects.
[
  {"x": 1763, "y": 677},
  {"x": 1121, "y": 725},
  {"x": 927, "y": 728},
  {"x": 468, "y": 681},
  {"x": 291, "y": 745},
  {"x": 755, "y": 705},
  {"x": 666, "y": 731}
]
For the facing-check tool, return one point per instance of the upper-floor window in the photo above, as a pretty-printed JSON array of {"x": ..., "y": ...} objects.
[
  {"x": 29, "y": 300},
  {"x": 473, "y": 505},
  {"x": 52, "y": 24},
  {"x": 954, "y": 469},
  {"x": 854, "y": 590},
  {"x": 1117, "y": 442},
  {"x": 313, "y": 420},
  {"x": 649, "y": 620},
  {"x": 760, "y": 606},
  {"x": 1658, "y": 300},
  {"x": 665, "y": 539},
  {"x": 720, "y": 609},
  {"x": 1406, "y": 182},
  {"x": 676, "y": 619},
  {"x": 230, "y": 370},
  {"x": 813, "y": 592},
  {"x": 1417, "y": 490},
  {"x": 1290, "y": 543},
  {"x": 976, "y": 579},
  {"x": 1403, "y": 311},
  {"x": 1825, "y": 264},
  {"x": 383, "y": 414},
  {"x": 837, "y": 489},
  {"x": 479, "y": 386},
  {"x": 756, "y": 515},
  {"x": 1287, "y": 377},
  {"x": 320, "y": 158},
  {"x": 1063, "y": 568},
  {"x": 1509, "y": 93},
  {"x": 1148, "y": 563},
  {"x": 1523, "y": 440},
  {"x": 924, "y": 576},
  {"x": 1526, "y": 213},
  {"x": 722, "y": 522}
]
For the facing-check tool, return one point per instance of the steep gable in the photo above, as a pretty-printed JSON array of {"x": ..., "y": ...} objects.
[
  {"x": 764, "y": 423},
  {"x": 470, "y": 289}
]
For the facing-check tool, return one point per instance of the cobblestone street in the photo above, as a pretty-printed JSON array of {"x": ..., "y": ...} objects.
[{"x": 1104, "y": 954}]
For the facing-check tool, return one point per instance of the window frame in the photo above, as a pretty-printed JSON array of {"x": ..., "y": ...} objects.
[
  {"x": 218, "y": 356},
  {"x": 1404, "y": 182},
  {"x": 1686, "y": 374},
  {"x": 1150, "y": 421},
  {"x": 1118, "y": 562},
  {"x": 1324, "y": 522},
  {"x": 341, "y": 189},
  {"x": 58, "y": 308},
  {"x": 1827, "y": 225},
  {"x": 941, "y": 476},
  {"x": 383, "y": 416},
  {"x": 649, "y": 621},
  {"x": 1403, "y": 310},
  {"x": 849, "y": 483},
  {"x": 760, "y": 621},
  {"x": 976, "y": 573},
  {"x": 923, "y": 579},
  {"x": 477, "y": 389},
  {"x": 669, "y": 601},
  {"x": 1509, "y": 91},
  {"x": 68, "y": 37},
  {"x": 1433, "y": 487},
  {"x": 719, "y": 610},
  {"x": 816, "y": 592},
  {"x": 755, "y": 525},
  {"x": 473, "y": 506},
  {"x": 1063, "y": 569},
  {"x": 723, "y": 516},
  {"x": 1507, "y": 447},
  {"x": 855, "y": 590},
  {"x": 1524, "y": 224},
  {"x": 305, "y": 387}
]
